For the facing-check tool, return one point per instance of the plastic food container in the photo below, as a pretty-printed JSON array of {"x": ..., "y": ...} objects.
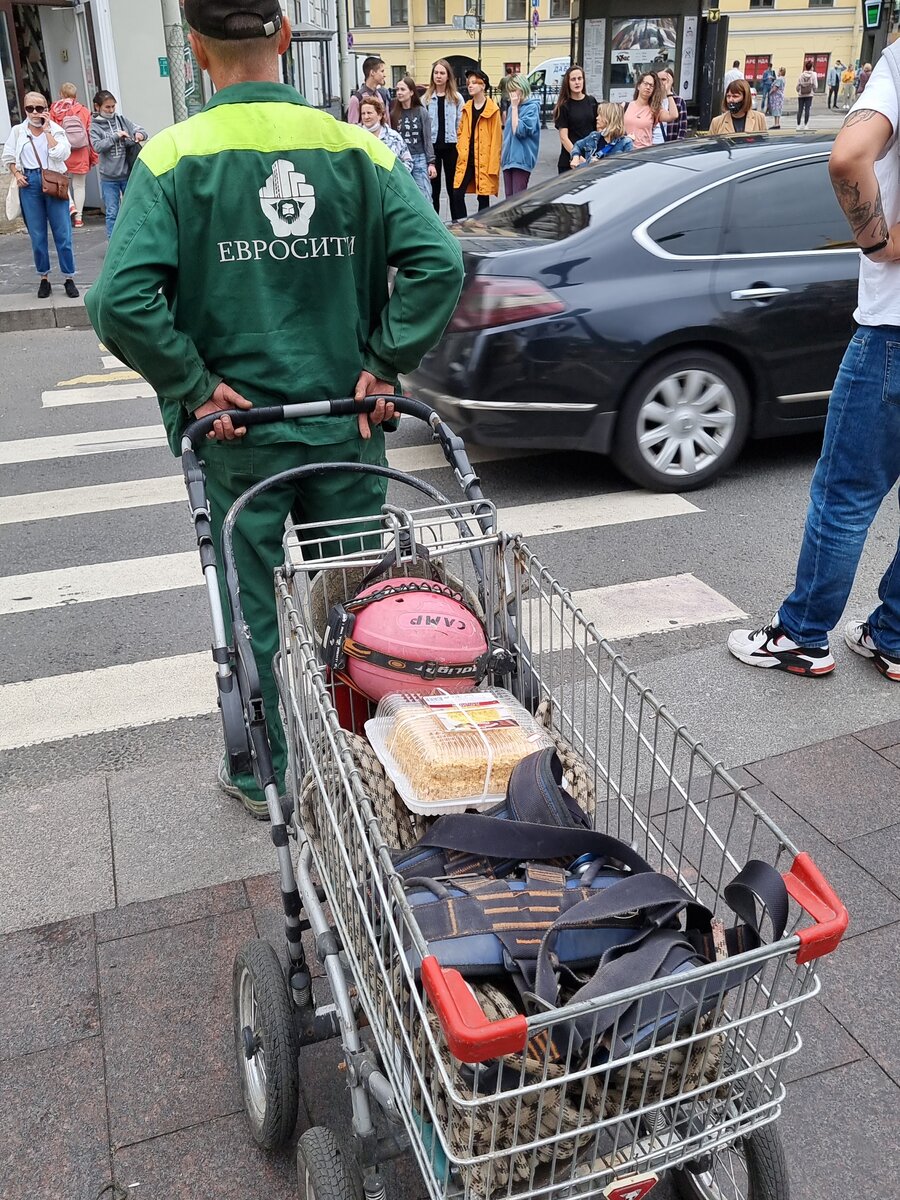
[{"x": 445, "y": 753}]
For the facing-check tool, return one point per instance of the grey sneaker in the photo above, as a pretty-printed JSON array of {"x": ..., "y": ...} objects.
[
  {"x": 860, "y": 641},
  {"x": 256, "y": 808}
]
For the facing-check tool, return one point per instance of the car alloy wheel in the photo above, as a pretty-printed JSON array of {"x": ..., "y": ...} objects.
[
  {"x": 684, "y": 420},
  {"x": 686, "y": 423}
]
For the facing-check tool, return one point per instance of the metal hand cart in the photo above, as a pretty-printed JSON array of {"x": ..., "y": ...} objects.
[{"x": 492, "y": 1102}]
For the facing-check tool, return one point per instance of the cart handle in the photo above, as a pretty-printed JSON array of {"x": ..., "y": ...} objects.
[
  {"x": 808, "y": 886},
  {"x": 471, "y": 1037},
  {"x": 270, "y": 414}
]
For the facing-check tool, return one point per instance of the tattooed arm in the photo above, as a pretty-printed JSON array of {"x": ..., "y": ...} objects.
[{"x": 862, "y": 139}]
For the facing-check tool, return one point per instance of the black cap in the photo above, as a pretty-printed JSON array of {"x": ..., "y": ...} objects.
[
  {"x": 479, "y": 74},
  {"x": 227, "y": 20}
]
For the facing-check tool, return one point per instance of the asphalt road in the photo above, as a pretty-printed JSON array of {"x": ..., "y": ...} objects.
[{"x": 128, "y": 811}]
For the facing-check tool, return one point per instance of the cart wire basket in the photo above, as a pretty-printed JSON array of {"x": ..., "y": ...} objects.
[{"x": 557, "y": 1101}]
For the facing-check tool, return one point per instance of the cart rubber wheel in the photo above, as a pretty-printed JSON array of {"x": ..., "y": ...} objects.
[
  {"x": 752, "y": 1168},
  {"x": 322, "y": 1172},
  {"x": 264, "y": 1026}
]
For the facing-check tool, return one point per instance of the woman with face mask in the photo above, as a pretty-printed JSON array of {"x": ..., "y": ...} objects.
[
  {"x": 37, "y": 145},
  {"x": 608, "y": 138},
  {"x": 372, "y": 117},
  {"x": 738, "y": 114}
]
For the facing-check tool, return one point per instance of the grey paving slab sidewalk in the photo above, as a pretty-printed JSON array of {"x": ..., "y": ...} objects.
[{"x": 115, "y": 1027}]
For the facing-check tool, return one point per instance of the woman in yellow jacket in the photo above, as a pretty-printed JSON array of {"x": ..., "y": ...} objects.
[
  {"x": 739, "y": 115},
  {"x": 479, "y": 142}
]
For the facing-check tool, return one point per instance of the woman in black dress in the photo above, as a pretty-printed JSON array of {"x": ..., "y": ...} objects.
[{"x": 575, "y": 115}]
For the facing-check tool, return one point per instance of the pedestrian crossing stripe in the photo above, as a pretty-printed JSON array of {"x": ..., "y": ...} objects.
[
  {"x": 148, "y": 437},
  {"x": 108, "y": 376},
  {"x": 96, "y": 582},
  {"x": 81, "y": 703},
  {"x": 99, "y": 395}
]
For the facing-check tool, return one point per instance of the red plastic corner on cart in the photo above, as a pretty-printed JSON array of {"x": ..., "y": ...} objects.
[
  {"x": 471, "y": 1037},
  {"x": 808, "y": 886}
]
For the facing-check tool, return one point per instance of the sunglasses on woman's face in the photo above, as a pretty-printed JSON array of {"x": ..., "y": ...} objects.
[{"x": 35, "y": 108}]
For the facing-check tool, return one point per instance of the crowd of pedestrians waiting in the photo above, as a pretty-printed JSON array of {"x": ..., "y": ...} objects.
[
  {"x": 450, "y": 134},
  {"x": 48, "y": 157}
]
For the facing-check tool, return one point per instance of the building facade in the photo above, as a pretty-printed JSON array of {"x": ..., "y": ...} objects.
[
  {"x": 411, "y": 34},
  {"x": 120, "y": 45},
  {"x": 784, "y": 33}
]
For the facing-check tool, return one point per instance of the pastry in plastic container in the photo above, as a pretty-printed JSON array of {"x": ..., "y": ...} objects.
[{"x": 445, "y": 753}]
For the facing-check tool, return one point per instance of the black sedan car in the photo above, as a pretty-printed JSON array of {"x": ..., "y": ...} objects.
[{"x": 660, "y": 307}]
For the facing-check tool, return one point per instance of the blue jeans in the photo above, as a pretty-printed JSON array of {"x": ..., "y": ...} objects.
[
  {"x": 113, "y": 191},
  {"x": 37, "y": 210},
  {"x": 860, "y": 463},
  {"x": 420, "y": 175}
]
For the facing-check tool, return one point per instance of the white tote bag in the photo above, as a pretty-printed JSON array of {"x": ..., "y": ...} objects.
[{"x": 13, "y": 201}]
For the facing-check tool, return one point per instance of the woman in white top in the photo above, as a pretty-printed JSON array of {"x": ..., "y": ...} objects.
[{"x": 40, "y": 144}]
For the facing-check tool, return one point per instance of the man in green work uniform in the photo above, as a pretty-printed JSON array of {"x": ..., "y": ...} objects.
[{"x": 249, "y": 266}]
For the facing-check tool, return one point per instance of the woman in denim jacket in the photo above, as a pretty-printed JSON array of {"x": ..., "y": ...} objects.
[
  {"x": 445, "y": 106},
  {"x": 608, "y": 138}
]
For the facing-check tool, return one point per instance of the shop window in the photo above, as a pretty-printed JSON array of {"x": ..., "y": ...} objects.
[
  {"x": 809, "y": 216},
  {"x": 399, "y": 12},
  {"x": 437, "y": 12},
  {"x": 755, "y": 66},
  {"x": 516, "y": 10}
]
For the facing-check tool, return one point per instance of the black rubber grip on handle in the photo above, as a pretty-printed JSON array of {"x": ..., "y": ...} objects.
[
  {"x": 197, "y": 430},
  {"x": 403, "y": 404}
]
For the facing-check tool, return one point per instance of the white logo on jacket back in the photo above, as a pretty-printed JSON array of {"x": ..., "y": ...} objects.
[{"x": 288, "y": 200}]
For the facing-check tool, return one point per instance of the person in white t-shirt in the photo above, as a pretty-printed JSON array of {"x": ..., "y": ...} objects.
[
  {"x": 860, "y": 461},
  {"x": 732, "y": 75}
]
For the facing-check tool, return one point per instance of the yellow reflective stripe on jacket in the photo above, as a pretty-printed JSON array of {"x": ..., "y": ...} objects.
[{"x": 264, "y": 127}]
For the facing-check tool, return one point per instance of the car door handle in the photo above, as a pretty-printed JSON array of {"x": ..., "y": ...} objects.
[{"x": 759, "y": 293}]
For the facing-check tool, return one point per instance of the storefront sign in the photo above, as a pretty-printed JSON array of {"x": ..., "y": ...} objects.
[
  {"x": 873, "y": 11},
  {"x": 684, "y": 84},
  {"x": 639, "y": 44},
  {"x": 594, "y": 55}
]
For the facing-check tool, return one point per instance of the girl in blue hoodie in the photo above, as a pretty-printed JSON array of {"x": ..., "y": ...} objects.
[{"x": 521, "y": 136}]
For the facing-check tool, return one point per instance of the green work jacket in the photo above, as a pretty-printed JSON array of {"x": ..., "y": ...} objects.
[{"x": 253, "y": 247}]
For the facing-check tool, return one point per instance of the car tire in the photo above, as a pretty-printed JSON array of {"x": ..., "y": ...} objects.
[{"x": 684, "y": 421}]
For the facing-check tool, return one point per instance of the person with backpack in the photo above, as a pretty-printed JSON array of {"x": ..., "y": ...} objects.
[
  {"x": 76, "y": 124},
  {"x": 118, "y": 142},
  {"x": 374, "y": 71},
  {"x": 807, "y": 83}
]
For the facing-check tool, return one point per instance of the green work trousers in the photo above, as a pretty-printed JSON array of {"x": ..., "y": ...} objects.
[{"x": 231, "y": 468}]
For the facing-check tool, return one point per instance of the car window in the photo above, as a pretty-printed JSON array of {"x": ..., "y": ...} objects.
[
  {"x": 694, "y": 227},
  {"x": 586, "y": 196},
  {"x": 784, "y": 210}
]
